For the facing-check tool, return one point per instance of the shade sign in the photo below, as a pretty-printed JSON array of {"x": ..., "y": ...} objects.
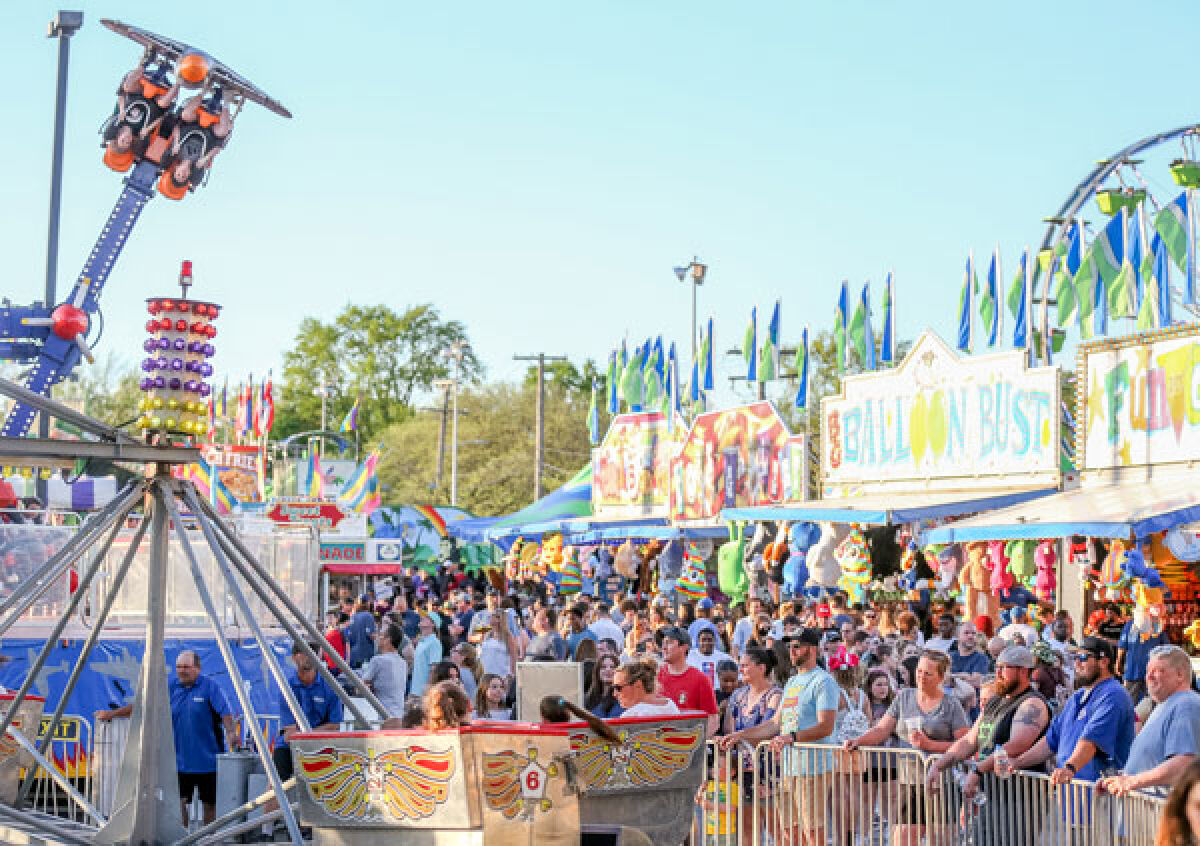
[
  {"x": 1139, "y": 402},
  {"x": 731, "y": 458},
  {"x": 942, "y": 421},
  {"x": 632, "y": 466}
]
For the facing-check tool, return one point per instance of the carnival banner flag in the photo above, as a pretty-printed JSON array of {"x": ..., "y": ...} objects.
[
  {"x": 315, "y": 483},
  {"x": 361, "y": 491},
  {"x": 839, "y": 330},
  {"x": 1064, "y": 292},
  {"x": 802, "y": 370},
  {"x": 209, "y": 485},
  {"x": 706, "y": 358},
  {"x": 750, "y": 346},
  {"x": 610, "y": 384},
  {"x": 631, "y": 381},
  {"x": 652, "y": 387},
  {"x": 694, "y": 386},
  {"x": 1155, "y": 311},
  {"x": 212, "y": 419},
  {"x": 1018, "y": 303},
  {"x": 871, "y": 362},
  {"x": 251, "y": 414},
  {"x": 224, "y": 412},
  {"x": 267, "y": 405},
  {"x": 1138, "y": 253},
  {"x": 887, "y": 346},
  {"x": 1085, "y": 282},
  {"x": 989, "y": 304},
  {"x": 1176, "y": 224},
  {"x": 676, "y": 407},
  {"x": 1108, "y": 255},
  {"x": 239, "y": 426},
  {"x": 350, "y": 421},
  {"x": 856, "y": 333},
  {"x": 660, "y": 362},
  {"x": 769, "y": 364},
  {"x": 594, "y": 416},
  {"x": 970, "y": 283}
]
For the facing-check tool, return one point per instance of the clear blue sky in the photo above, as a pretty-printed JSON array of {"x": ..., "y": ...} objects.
[{"x": 535, "y": 169}]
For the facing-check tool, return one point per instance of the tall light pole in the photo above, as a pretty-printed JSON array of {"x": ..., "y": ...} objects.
[
  {"x": 696, "y": 270},
  {"x": 322, "y": 391},
  {"x": 455, "y": 352}
]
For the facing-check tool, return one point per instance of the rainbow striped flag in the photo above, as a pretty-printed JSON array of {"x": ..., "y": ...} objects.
[
  {"x": 316, "y": 483},
  {"x": 361, "y": 491},
  {"x": 201, "y": 475}
]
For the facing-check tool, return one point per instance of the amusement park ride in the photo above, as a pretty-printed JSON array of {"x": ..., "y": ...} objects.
[
  {"x": 497, "y": 783},
  {"x": 54, "y": 337}
]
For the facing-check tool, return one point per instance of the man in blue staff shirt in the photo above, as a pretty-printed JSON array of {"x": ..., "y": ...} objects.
[
  {"x": 198, "y": 710},
  {"x": 1092, "y": 734},
  {"x": 321, "y": 706}
]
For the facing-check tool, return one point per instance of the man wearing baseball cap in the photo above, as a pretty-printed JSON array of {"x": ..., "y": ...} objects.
[
  {"x": 683, "y": 684},
  {"x": 1013, "y": 721},
  {"x": 1094, "y": 730},
  {"x": 807, "y": 714}
]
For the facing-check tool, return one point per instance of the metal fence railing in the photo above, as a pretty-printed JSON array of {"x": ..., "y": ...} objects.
[
  {"x": 812, "y": 795},
  {"x": 70, "y": 753}
]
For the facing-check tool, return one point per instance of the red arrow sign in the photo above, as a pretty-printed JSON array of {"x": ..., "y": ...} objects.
[{"x": 322, "y": 515}]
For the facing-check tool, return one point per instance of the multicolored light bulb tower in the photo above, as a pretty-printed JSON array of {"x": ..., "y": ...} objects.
[{"x": 176, "y": 364}]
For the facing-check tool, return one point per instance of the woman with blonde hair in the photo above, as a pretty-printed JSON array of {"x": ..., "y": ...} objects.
[
  {"x": 924, "y": 718},
  {"x": 635, "y": 684}
]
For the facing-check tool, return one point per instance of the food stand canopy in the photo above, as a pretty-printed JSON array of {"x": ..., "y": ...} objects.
[
  {"x": 1115, "y": 510},
  {"x": 889, "y": 508}
]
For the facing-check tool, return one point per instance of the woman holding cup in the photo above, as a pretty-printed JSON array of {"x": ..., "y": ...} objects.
[{"x": 925, "y": 719}]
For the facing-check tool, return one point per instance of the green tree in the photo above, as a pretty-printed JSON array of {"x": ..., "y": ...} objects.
[
  {"x": 566, "y": 377},
  {"x": 373, "y": 353},
  {"x": 496, "y": 450},
  {"x": 106, "y": 390}
]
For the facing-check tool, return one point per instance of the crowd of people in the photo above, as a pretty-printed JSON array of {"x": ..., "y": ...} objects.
[{"x": 1107, "y": 705}]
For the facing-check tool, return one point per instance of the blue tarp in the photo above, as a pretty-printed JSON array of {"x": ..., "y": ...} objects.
[
  {"x": 887, "y": 509},
  {"x": 600, "y": 533},
  {"x": 111, "y": 674},
  {"x": 572, "y": 501}
]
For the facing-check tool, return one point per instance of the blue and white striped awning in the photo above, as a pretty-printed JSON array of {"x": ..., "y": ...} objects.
[
  {"x": 884, "y": 509},
  {"x": 1098, "y": 510}
]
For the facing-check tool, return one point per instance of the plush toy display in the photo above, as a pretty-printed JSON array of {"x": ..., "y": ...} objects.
[
  {"x": 976, "y": 580},
  {"x": 572, "y": 573},
  {"x": 623, "y": 561},
  {"x": 1001, "y": 580},
  {"x": 530, "y": 554},
  {"x": 512, "y": 561},
  {"x": 552, "y": 553},
  {"x": 692, "y": 582},
  {"x": 1021, "y": 562},
  {"x": 1045, "y": 583},
  {"x": 947, "y": 560},
  {"x": 670, "y": 560},
  {"x": 823, "y": 568},
  {"x": 1148, "y": 611},
  {"x": 855, "y": 563},
  {"x": 800, "y": 538},
  {"x": 602, "y": 563},
  {"x": 1113, "y": 578},
  {"x": 731, "y": 571}
]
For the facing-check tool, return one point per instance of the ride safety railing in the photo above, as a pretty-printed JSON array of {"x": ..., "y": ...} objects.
[{"x": 817, "y": 795}]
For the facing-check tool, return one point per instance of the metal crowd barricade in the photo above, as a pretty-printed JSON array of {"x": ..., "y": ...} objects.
[
  {"x": 70, "y": 752},
  {"x": 816, "y": 795}
]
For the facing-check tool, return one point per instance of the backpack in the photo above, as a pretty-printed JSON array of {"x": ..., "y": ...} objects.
[{"x": 855, "y": 722}]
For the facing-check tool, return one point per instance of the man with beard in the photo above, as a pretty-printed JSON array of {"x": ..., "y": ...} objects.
[
  {"x": 1012, "y": 722},
  {"x": 1094, "y": 730}
]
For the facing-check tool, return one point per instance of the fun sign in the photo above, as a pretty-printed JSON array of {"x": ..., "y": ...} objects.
[
  {"x": 1140, "y": 400},
  {"x": 944, "y": 421}
]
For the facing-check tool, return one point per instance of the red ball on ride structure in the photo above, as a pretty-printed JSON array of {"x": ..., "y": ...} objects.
[
  {"x": 69, "y": 321},
  {"x": 193, "y": 69}
]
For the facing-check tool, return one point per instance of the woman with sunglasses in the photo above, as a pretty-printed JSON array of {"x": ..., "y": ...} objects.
[{"x": 634, "y": 685}]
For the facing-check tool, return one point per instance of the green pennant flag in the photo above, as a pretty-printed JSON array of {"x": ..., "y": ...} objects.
[
  {"x": 858, "y": 331},
  {"x": 748, "y": 342},
  {"x": 1016, "y": 292},
  {"x": 1147, "y": 316},
  {"x": 766, "y": 361},
  {"x": 631, "y": 380},
  {"x": 987, "y": 304},
  {"x": 1064, "y": 293},
  {"x": 1171, "y": 225},
  {"x": 1085, "y": 288},
  {"x": 1057, "y": 340}
]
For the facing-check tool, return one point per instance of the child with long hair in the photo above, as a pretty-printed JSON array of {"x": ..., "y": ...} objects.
[
  {"x": 446, "y": 706},
  {"x": 490, "y": 699}
]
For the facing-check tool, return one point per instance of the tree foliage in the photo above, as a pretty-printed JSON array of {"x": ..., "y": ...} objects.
[
  {"x": 495, "y": 453},
  {"x": 371, "y": 352}
]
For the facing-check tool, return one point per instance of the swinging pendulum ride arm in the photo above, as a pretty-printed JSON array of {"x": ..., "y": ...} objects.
[{"x": 56, "y": 356}]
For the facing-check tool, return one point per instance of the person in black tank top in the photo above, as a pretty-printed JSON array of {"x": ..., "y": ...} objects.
[{"x": 144, "y": 99}]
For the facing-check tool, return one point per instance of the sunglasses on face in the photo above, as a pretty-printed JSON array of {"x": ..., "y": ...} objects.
[{"x": 1082, "y": 657}]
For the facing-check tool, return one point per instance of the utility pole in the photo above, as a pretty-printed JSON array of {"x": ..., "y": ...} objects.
[{"x": 539, "y": 416}]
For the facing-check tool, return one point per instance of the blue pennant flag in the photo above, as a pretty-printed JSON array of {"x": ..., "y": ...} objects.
[
  {"x": 802, "y": 370},
  {"x": 1019, "y": 303},
  {"x": 869, "y": 362},
  {"x": 887, "y": 346},
  {"x": 965, "y": 300}
]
